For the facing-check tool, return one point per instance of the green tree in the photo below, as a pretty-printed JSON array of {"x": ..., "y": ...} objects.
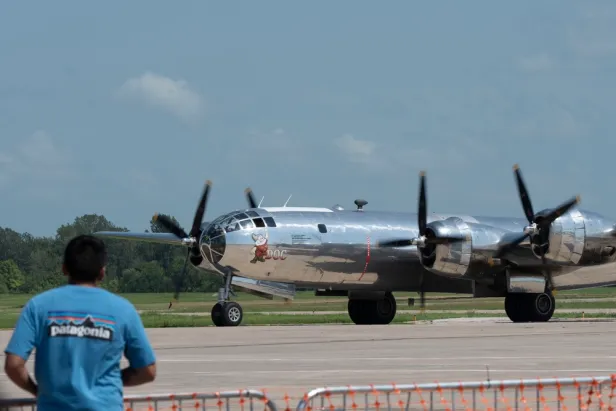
[
  {"x": 11, "y": 277},
  {"x": 30, "y": 264}
]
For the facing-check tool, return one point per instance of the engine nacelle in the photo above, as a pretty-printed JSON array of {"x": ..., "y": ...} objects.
[
  {"x": 567, "y": 239},
  {"x": 451, "y": 260},
  {"x": 458, "y": 260}
]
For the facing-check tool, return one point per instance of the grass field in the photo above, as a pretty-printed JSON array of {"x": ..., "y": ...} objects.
[{"x": 257, "y": 311}]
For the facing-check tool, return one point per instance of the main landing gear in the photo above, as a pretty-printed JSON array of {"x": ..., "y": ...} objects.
[
  {"x": 380, "y": 311},
  {"x": 523, "y": 308},
  {"x": 226, "y": 313}
]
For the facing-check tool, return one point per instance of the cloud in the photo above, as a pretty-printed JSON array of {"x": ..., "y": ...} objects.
[
  {"x": 174, "y": 96},
  {"x": 412, "y": 154},
  {"x": 536, "y": 63},
  {"x": 594, "y": 35},
  {"x": 383, "y": 157},
  {"x": 356, "y": 150},
  {"x": 36, "y": 159},
  {"x": 277, "y": 142}
]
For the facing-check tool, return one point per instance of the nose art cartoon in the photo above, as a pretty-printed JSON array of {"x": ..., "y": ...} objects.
[{"x": 260, "y": 249}]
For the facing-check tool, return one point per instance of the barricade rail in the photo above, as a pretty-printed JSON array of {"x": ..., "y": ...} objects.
[
  {"x": 492, "y": 395},
  {"x": 550, "y": 394},
  {"x": 176, "y": 402}
]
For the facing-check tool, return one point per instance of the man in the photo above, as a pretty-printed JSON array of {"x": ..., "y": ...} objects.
[{"x": 80, "y": 332}]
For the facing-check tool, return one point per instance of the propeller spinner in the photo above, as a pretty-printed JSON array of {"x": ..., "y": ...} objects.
[
  {"x": 426, "y": 237},
  {"x": 191, "y": 238}
]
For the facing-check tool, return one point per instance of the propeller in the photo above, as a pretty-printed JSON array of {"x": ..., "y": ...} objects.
[
  {"x": 252, "y": 202},
  {"x": 190, "y": 238},
  {"x": 539, "y": 224},
  {"x": 427, "y": 238}
]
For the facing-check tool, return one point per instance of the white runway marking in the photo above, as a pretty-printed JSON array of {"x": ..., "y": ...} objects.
[
  {"x": 405, "y": 371},
  {"x": 394, "y": 359}
]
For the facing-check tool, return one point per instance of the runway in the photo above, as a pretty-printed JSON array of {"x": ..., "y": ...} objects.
[{"x": 295, "y": 359}]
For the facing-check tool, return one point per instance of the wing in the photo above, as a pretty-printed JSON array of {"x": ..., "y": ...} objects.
[{"x": 159, "y": 238}]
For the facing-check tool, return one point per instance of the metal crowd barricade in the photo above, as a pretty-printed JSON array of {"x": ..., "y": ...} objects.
[
  {"x": 551, "y": 394},
  {"x": 221, "y": 401}
]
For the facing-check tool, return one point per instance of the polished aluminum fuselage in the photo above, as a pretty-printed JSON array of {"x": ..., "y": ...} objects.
[{"x": 338, "y": 249}]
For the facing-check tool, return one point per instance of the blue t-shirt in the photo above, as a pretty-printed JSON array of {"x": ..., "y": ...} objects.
[{"x": 80, "y": 334}]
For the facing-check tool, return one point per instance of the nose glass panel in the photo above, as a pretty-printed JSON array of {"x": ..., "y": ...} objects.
[{"x": 214, "y": 243}]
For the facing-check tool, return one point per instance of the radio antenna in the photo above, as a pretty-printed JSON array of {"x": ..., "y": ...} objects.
[
  {"x": 285, "y": 204},
  {"x": 260, "y": 201}
]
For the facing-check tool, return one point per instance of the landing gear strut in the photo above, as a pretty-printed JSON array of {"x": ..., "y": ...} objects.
[
  {"x": 381, "y": 311},
  {"x": 226, "y": 313},
  {"x": 521, "y": 308}
]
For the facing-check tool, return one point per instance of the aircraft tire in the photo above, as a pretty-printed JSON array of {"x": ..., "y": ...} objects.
[
  {"x": 543, "y": 306},
  {"x": 217, "y": 311},
  {"x": 530, "y": 307},
  {"x": 232, "y": 314},
  {"x": 358, "y": 312},
  {"x": 364, "y": 312},
  {"x": 516, "y": 307},
  {"x": 385, "y": 309}
]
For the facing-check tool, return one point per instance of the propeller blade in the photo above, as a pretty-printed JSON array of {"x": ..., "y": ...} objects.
[
  {"x": 396, "y": 243},
  {"x": 509, "y": 245},
  {"x": 251, "y": 198},
  {"x": 560, "y": 210},
  {"x": 422, "y": 207},
  {"x": 548, "y": 273},
  {"x": 526, "y": 204},
  {"x": 180, "y": 281},
  {"x": 170, "y": 225},
  {"x": 422, "y": 223},
  {"x": 444, "y": 240},
  {"x": 422, "y": 293},
  {"x": 196, "y": 226}
]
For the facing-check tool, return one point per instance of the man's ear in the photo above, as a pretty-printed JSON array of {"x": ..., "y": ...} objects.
[
  {"x": 101, "y": 275},
  {"x": 64, "y": 270}
]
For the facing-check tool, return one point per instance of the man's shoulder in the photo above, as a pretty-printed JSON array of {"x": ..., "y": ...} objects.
[
  {"x": 67, "y": 291},
  {"x": 118, "y": 299}
]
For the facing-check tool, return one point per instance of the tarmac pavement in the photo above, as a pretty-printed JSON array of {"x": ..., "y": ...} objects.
[{"x": 295, "y": 359}]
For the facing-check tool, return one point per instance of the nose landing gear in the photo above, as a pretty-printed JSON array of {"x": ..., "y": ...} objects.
[{"x": 226, "y": 313}]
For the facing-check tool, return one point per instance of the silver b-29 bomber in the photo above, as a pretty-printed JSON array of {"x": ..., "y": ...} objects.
[{"x": 368, "y": 255}]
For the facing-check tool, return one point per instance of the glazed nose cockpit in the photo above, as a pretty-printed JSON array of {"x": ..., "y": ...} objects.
[{"x": 214, "y": 241}]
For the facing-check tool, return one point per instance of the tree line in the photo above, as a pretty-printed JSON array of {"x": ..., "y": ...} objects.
[{"x": 30, "y": 264}]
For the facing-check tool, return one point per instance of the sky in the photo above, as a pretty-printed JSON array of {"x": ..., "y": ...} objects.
[{"x": 126, "y": 109}]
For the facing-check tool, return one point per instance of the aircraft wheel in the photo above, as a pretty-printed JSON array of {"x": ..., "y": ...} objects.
[
  {"x": 217, "y": 312},
  {"x": 232, "y": 314},
  {"x": 372, "y": 311},
  {"x": 516, "y": 307},
  {"x": 358, "y": 312},
  {"x": 543, "y": 306},
  {"x": 385, "y": 309},
  {"x": 530, "y": 307}
]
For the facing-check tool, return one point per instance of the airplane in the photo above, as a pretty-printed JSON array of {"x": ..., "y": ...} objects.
[{"x": 369, "y": 255}]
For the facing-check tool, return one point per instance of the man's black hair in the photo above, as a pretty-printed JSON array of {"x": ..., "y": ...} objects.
[{"x": 84, "y": 257}]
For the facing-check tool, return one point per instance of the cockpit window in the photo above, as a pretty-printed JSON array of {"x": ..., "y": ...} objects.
[
  {"x": 233, "y": 226},
  {"x": 247, "y": 224},
  {"x": 242, "y": 221}
]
